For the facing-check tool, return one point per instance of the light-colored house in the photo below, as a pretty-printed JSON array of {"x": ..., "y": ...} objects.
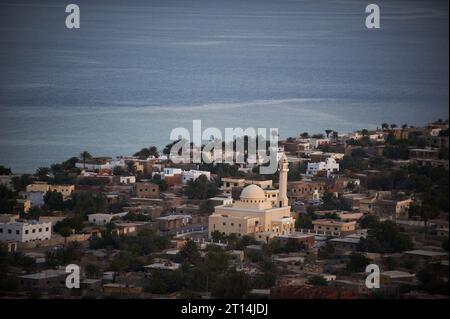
[
  {"x": 334, "y": 226},
  {"x": 25, "y": 232},
  {"x": 146, "y": 190},
  {"x": 127, "y": 179},
  {"x": 163, "y": 264},
  {"x": 103, "y": 219},
  {"x": 425, "y": 256},
  {"x": 7, "y": 181},
  {"x": 327, "y": 167},
  {"x": 65, "y": 190},
  {"x": 192, "y": 175},
  {"x": 36, "y": 198}
]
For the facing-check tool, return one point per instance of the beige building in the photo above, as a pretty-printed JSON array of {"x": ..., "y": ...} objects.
[
  {"x": 386, "y": 208},
  {"x": 306, "y": 190},
  {"x": 146, "y": 190},
  {"x": 255, "y": 214},
  {"x": 65, "y": 190},
  {"x": 334, "y": 226},
  {"x": 228, "y": 183}
]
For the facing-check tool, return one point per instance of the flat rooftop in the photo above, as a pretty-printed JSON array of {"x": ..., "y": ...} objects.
[
  {"x": 46, "y": 274},
  {"x": 428, "y": 253},
  {"x": 394, "y": 274}
]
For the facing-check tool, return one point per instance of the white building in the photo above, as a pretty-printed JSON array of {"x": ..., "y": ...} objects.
[
  {"x": 221, "y": 200},
  {"x": 169, "y": 172},
  {"x": 36, "y": 198},
  {"x": 329, "y": 166},
  {"x": 110, "y": 164},
  {"x": 25, "y": 231},
  {"x": 103, "y": 219},
  {"x": 127, "y": 179},
  {"x": 163, "y": 264},
  {"x": 193, "y": 175},
  {"x": 7, "y": 181}
]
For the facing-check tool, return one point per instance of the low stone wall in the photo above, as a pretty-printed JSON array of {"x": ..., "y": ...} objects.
[{"x": 57, "y": 240}]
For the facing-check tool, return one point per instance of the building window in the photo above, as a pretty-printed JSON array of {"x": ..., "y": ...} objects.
[
  {"x": 17, "y": 232},
  {"x": 26, "y": 232},
  {"x": 9, "y": 231}
]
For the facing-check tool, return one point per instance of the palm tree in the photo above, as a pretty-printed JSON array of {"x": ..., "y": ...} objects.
[
  {"x": 85, "y": 155},
  {"x": 65, "y": 232},
  {"x": 393, "y": 126},
  {"x": 335, "y": 134},
  {"x": 384, "y": 126},
  {"x": 328, "y": 132},
  {"x": 154, "y": 151}
]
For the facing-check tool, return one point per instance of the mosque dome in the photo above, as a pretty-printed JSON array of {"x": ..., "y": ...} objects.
[{"x": 253, "y": 192}]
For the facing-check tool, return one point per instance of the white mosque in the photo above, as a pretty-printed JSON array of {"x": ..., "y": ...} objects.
[{"x": 257, "y": 213}]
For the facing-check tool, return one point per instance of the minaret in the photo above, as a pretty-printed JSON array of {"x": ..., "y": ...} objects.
[{"x": 282, "y": 188}]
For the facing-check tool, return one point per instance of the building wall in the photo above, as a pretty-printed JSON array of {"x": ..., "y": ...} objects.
[
  {"x": 65, "y": 190},
  {"x": 146, "y": 190},
  {"x": 100, "y": 219},
  {"x": 25, "y": 232},
  {"x": 248, "y": 222},
  {"x": 334, "y": 226},
  {"x": 305, "y": 189}
]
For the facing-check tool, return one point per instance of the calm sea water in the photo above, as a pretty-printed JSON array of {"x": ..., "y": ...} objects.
[{"x": 137, "y": 69}]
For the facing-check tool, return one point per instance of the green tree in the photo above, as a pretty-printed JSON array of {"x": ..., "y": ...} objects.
[
  {"x": 189, "y": 253},
  {"x": 65, "y": 226},
  {"x": 92, "y": 271},
  {"x": 206, "y": 207},
  {"x": 231, "y": 285},
  {"x": 357, "y": 263},
  {"x": 42, "y": 173},
  {"x": 369, "y": 221},
  {"x": 4, "y": 170},
  {"x": 217, "y": 235},
  {"x": 119, "y": 171},
  {"x": 163, "y": 186},
  {"x": 304, "y": 221},
  {"x": 8, "y": 200},
  {"x": 385, "y": 237},
  {"x": 326, "y": 251},
  {"x": 20, "y": 182},
  {"x": 54, "y": 200},
  {"x": 200, "y": 188},
  {"x": 88, "y": 203},
  {"x": 317, "y": 281},
  {"x": 217, "y": 261},
  {"x": 85, "y": 155},
  {"x": 431, "y": 280}
]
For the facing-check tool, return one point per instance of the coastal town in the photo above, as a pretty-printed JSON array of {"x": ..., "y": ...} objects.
[{"x": 143, "y": 226}]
